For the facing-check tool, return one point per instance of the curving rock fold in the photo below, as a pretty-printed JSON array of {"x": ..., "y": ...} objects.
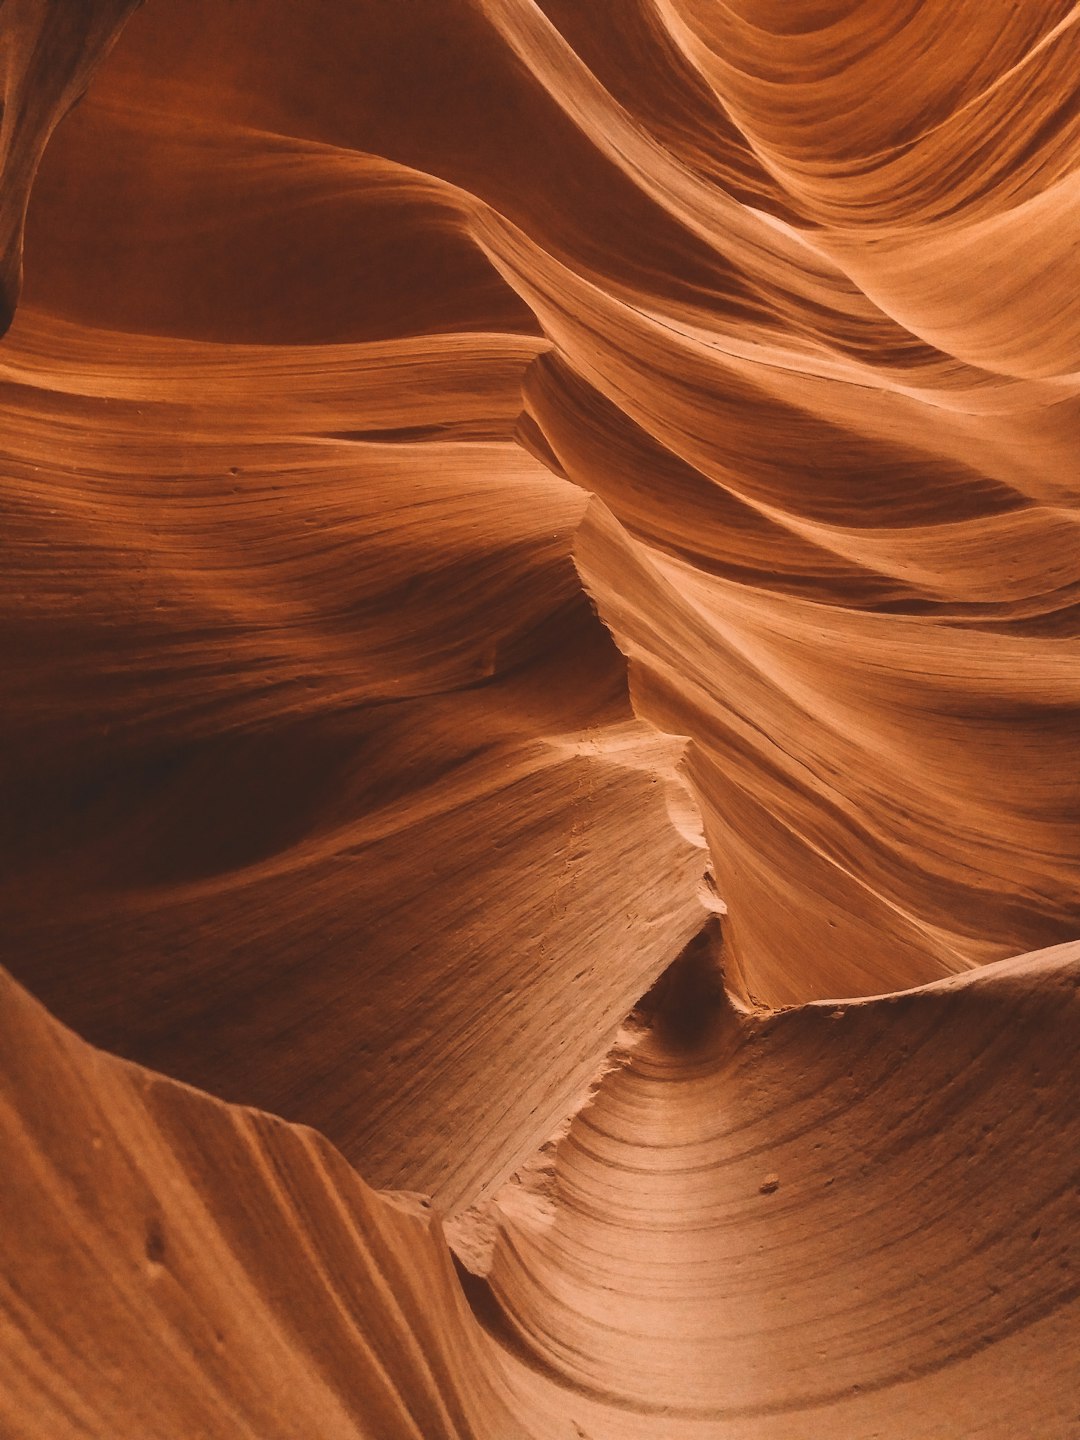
[{"x": 541, "y": 596}]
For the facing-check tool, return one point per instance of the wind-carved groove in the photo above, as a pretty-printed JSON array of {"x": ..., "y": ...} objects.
[
  {"x": 538, "y": 551},
  {"x": 681, "y": 1006}
]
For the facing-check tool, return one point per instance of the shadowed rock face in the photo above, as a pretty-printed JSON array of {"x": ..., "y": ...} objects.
[{"x": 540, "y": 587}]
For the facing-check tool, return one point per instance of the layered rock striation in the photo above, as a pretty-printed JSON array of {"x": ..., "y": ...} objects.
[{"x": 541, "y": 844}]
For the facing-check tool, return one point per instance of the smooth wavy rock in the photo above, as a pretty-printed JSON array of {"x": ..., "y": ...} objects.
[
  {"x": 540, "y": 593},
  {"x": 839, "y": 1220},
  {"x": 782, "y": 1227},
  {"x": 341, "y": 816},
  {"x": 190, "y": 1268},
  {"x": 47, "y": 54}
]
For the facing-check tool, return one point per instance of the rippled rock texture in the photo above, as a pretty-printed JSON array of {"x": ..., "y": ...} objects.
[{"x": 541, "y": 720}]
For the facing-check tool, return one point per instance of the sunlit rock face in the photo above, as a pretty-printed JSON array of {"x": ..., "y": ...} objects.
[{"x": 541, "y": 720}]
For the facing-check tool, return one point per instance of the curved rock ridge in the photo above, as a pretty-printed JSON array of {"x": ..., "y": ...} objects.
[
  {"x": 842, "y": 1219},
  {"x": 47, "y": 54},
  {"x": 191, "y": 1268},
  {"x": 340, "y": 808},
  {"x": 541, "y": 566}
]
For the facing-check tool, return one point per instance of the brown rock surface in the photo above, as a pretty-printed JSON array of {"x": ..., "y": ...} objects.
[{"x": 517, "y": 516}]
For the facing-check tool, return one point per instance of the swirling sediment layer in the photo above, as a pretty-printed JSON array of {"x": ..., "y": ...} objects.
[{"x": 517, "y": 515}]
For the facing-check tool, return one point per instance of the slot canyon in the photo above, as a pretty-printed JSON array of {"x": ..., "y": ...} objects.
[{"x": 540, "y": 727}]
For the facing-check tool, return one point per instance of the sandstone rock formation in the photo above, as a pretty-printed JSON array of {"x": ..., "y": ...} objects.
[{"x": 541, "y": 720}]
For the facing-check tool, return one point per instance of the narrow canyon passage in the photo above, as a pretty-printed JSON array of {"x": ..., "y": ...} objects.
[{"x": 541, "y": 719}]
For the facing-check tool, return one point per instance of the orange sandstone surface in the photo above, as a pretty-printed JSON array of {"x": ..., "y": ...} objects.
[{"x": 540, "y": 726}]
